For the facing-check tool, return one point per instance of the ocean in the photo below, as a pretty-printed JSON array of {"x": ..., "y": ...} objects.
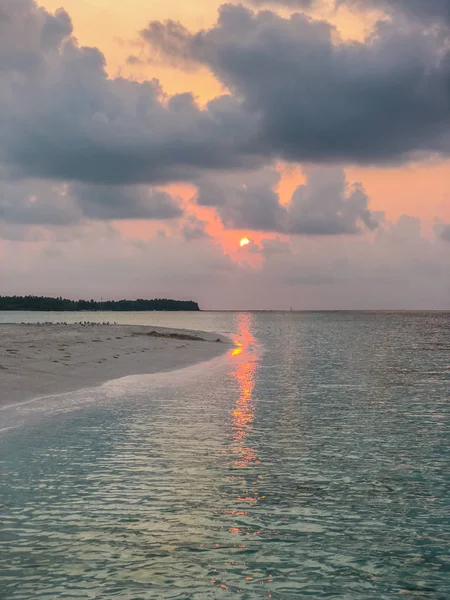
[{"x": 311, "y": 461}]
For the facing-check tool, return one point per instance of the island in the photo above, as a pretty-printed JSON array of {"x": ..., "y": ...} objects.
[{"x": 40, "y": 303}]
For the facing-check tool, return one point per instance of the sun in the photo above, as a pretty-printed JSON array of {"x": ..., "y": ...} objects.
[{"x": 244, "y": 242}]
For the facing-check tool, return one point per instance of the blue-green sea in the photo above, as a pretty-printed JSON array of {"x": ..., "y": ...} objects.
[{"x": 311, "y": 461}]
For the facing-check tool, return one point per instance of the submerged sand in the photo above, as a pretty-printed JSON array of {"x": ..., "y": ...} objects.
[{"x": 43, "y": 360}]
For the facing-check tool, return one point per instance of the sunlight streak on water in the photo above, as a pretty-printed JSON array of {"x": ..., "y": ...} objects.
[{"x": 245, "y": 373}]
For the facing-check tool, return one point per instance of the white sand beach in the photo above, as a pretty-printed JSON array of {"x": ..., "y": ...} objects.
[{"x": 42, "y": 360}]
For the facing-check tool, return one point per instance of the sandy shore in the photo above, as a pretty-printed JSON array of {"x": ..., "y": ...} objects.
[{"x": 42, "y": 360}]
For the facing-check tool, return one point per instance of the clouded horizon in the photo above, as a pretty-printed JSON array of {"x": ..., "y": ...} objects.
[{"x": 139, "y": 144}]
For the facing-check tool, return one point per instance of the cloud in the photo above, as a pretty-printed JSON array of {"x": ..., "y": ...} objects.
[
  {"x": 405, "y": 228},
  {"x": 124, "y": 202},
  {"x": 134, "y": 60},
  {"x": 296, "y": 92},
  {"x": 194, "y": 229},
  {"x": 168, "y": 43},
  {"x": 428, "y": 10},
  {"x": 271, "y": 247},
  {"x": 28, "y": 34},
  {"x": 246, "y": 201},
  {"x": 55, "y": 204},
  {"x": 320, "y": 98},
  {"x": 36, "y": 203},
  {"x": 15, "y": 232},
  {"x": 396, "y": 267},
  {"x": 295, "y": 4},
  {"x": 442, "y": 230},
  {"x": 325, "y": 205},
  {"x": 62, "y": 118}
]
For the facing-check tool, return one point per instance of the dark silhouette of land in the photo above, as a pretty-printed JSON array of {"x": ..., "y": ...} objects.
[{"x": 38, "y": 303}]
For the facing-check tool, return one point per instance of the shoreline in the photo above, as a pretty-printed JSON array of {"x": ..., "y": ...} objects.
[{"x": 42, "y": 360}]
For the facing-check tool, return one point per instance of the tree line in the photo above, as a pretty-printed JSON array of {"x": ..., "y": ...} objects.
[{"x": 39, "y": 303}]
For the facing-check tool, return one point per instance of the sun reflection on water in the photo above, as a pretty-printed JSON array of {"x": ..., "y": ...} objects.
[{"x": 244, "y": 412}]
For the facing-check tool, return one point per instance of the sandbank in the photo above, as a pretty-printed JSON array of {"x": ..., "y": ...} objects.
[{"x": 44, "y": 360}]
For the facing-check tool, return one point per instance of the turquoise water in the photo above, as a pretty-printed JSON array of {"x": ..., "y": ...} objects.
[{"x": 311, "y": 462}]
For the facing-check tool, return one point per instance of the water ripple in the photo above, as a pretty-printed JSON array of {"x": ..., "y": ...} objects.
[{"x": 315, "y": 463}]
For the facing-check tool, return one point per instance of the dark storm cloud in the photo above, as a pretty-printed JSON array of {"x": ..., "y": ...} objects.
[
  {"x": 325, "y": 205},
  {"x": 62, "y": 118},
  {"x": 296, "y": 92},
  {"x": 99, "y": 139},
  {"x": 428, "y": 10},
  {"x": 41, "y": 203},
  {"x": 36, "y": 203},
  {"x": 322, "y": 99},
  {"x": 124, "y": 202}
]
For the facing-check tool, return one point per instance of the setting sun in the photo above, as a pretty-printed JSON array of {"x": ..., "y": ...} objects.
[{"x": 244, "y": 242}]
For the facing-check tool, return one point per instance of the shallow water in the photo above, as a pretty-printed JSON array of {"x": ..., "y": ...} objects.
[{"x": 312, "y": 461}]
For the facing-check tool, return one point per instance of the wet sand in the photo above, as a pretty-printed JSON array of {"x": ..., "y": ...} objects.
[{"x": 43, "y": 360}]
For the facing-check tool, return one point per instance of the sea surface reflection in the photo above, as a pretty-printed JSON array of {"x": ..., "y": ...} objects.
[
  {"x": 245, "y": 374},
  {"x": 311, "y": 461}
]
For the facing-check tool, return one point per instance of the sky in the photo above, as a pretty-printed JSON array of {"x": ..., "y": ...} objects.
[{"x": 141, "y": 141}]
